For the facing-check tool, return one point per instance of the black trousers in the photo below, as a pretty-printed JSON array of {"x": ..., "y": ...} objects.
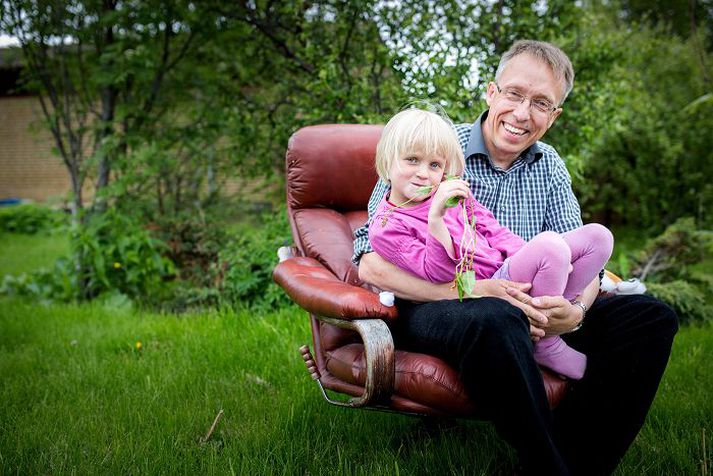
[{"x": 627, "y": 340}]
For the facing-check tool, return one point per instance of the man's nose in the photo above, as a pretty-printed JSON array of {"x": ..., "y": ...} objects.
[{"x": 522, "y": 110}]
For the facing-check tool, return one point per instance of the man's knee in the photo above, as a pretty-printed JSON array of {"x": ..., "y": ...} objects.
[
  {"x": 666, "y": 317},
  {"x": 643, "y": 312},
  {"x": 657, "y": 313}
]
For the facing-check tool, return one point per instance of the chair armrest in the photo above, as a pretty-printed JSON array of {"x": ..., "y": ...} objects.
[
  {"x": 314, "y": 288},
  {"x": 379, "y": 357}
]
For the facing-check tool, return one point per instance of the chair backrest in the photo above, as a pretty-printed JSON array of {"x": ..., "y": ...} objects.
[{"x": 330, "y": 176}]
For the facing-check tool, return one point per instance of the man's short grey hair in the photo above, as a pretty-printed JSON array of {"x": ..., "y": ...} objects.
[{"x": 548, "y": 53}]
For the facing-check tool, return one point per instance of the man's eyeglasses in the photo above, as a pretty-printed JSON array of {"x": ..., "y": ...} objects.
[{"x": 538, "y": 104}]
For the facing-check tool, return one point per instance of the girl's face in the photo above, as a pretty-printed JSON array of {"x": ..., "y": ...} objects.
[{"x": 411, "y": 173}]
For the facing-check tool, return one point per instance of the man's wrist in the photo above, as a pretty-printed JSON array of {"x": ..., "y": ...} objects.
[{"x": 584, "y": 308}]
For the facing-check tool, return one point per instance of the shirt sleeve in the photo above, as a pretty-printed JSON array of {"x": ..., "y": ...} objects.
[
  {"x": 563, "y": 213},
  {"x": 397, "y": 243},
  {"x": 361, "y": 235}
]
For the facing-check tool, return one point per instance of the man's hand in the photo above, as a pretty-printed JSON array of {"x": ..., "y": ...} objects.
[{"x": 561, "y": 315}]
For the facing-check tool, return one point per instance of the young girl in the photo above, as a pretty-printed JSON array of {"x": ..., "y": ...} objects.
[{"x": 415, "y": 229}]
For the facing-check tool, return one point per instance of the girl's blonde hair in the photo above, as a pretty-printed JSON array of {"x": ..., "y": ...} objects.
[{"x": 418, "y": 131}]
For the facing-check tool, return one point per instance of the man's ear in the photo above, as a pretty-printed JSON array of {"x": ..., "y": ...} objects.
[
  {"x": 554, "y": 116},
  {"x": 490, "y": 92}
]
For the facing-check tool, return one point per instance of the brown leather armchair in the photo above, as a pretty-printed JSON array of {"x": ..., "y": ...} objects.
[{"x": 330, "y": 176}]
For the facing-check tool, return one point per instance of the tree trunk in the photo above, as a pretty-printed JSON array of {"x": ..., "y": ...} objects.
[
  {"x": 107, "y": 118},
  {"x": 108, "y": 100}
]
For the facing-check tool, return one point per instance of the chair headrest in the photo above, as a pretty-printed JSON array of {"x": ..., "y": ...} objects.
[{"x": 332, "y": 166}]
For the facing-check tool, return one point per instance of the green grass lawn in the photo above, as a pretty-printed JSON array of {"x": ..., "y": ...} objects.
[
  {"x": 23, "y": 253},
  {"x": 77, "y": 396}
]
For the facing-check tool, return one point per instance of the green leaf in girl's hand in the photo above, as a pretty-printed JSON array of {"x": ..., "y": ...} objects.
[
  {"x": 465, "y": 282},
  {"x": 452, "y": 202}
]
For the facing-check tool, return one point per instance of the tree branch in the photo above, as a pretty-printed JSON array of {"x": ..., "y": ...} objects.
[
  {"x": 267, "y": 29},
  {"x": 344, "y": 51}
]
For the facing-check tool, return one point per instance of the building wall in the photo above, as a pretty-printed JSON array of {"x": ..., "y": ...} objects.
[{"x": 28, "y": 168}]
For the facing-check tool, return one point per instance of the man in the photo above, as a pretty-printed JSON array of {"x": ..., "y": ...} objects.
[{"x": 627, "y": 339}]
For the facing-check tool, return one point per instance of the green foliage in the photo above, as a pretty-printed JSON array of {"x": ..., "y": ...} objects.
[
  {"x": 177, "y": 266},
  {"x": 636, "y": 127},
  {"x": 30, "y": 219},
  {"x": 667, "y": 263},
  {"x": 682, "y": 17},
  {"x": 688, "y": 300},
  {"x": 194, "y": 244},
  {"x": 121, "y": 255},
  {"x": 244, "y": 273},
  {"x": 163, "y": 104},
  {"x": 448, "y": 51},
  {"x": 58, "y": 283},
  {"x": 118, "y": 256},
  {"x": 669, "y": 255},
  {"x": 227, "y": 269}
]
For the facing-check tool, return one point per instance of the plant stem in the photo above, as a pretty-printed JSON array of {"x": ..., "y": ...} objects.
[{"x": 212, "y": 427}]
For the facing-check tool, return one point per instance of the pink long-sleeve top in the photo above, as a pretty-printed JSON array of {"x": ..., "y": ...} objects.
[{"x": 401, "y": 236}]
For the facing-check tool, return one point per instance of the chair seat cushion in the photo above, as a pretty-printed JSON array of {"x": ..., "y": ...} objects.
[{"x": 424, "y": 379}]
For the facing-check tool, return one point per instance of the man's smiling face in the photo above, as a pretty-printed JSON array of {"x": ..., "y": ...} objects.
[{"x": 511, "y": 127}]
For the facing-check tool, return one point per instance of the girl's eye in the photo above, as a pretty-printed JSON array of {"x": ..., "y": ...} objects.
[
  {"x": 435, "y": 165},
  {"x": 411, "y": 160}
]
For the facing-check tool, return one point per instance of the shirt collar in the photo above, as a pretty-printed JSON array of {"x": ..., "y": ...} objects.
[{"x": 476, "y": 144}]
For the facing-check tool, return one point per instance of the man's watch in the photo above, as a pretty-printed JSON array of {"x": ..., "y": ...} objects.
[{"x": 579, "y": 303}]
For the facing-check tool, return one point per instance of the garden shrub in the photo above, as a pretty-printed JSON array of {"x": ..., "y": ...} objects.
[
  {"x": 31, "y": 219},
  {"x": 121, "y": 255},
  {"x": 224, "y": 267},
  {"x": 667, "y": 263},
  {"x": 687, "y": 299},
  {"x": 111, "y": 253},
  {"x": 243, "y": 274},
  {"x": 669, "y": 255},
  {"x": 194, "y": 244},
  {"x": 193, "y": 264},
  {"x": 58, "y": 283}
]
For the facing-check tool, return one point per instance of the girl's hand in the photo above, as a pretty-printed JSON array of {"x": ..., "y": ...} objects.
[{"x": 447, "y": 189}]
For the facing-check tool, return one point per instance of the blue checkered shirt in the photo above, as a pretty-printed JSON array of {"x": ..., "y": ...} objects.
[{"x": 532, "y": 196}]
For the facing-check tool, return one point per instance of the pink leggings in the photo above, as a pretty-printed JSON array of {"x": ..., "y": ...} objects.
[
  {"x": 560, "y": 265},
  {"x": 545, "y": 260}
]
